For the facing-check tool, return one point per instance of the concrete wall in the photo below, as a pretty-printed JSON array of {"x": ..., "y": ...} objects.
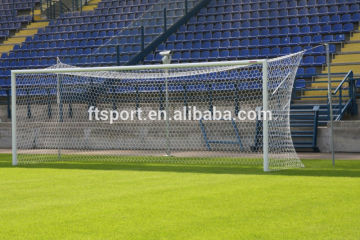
[
  {"x": 132, "y": 136},
  {"x": 346, "y": 137},
  {"x": 40, "y": 132},
  {"x": 5, "y": 135},
  {"x": 4, "y": 114}
]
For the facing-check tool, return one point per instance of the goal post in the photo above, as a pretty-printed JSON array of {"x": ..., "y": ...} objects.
[
  {"x": 265, "y": 100},
  {"x": 92, "y": 100}
]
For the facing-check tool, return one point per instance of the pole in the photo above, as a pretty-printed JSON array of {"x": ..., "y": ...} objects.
[
  {"x": 165, "y": 23},
  {"x": 118, "y": 55},
  {"x": 142, "y": 38},
  {"x": 167, "y": 60},
  {"x": 33, "y": 10},
  {"x": 167, "y": 114},
  {"x": 330, "y": 105},
  {"x": 265, "y": 121},
  {"x": 13, "y": 119},
  {"x": 59, "y": 103},
  {"x": 13, "y": 8},
  {"x": 8, "y": 103}
]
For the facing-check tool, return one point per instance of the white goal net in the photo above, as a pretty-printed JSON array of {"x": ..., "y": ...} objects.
[{"x": 199, "y": 113}]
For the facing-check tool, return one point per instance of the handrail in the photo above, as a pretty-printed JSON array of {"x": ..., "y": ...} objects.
[
  {"x": 64, "y": 5},
  {"x": 316, "y": 110},
  {"x": 351, "y": 103},
  {"x": 348, "y": 75},
  {"x": 332, "y": 74}
]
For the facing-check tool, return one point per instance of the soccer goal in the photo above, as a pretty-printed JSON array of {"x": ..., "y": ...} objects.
[{"x": 231, "y": 112}]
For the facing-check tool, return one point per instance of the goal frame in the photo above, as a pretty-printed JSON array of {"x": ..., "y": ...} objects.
[{"x": 265, "y": 97}]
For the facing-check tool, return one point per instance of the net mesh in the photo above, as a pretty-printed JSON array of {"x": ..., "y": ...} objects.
[{"x": 195, "y": 115}]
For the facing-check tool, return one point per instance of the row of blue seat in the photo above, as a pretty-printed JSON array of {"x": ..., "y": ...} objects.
[
  {"x": 215, "y": 23},
  {"x": 260, "y": 15},
  {"x": 33, "y": 47},
  {"x": 199, "y": 34},
  {"x": 181, "y": 44},
  {"x": 110, "y": 19},
  {"x": 186, "y": 46},
  {"x": 272, "y": 19},
  {"x": 100, "y": 18},
  {"x": 243, "y": 35},
  {"x": 18, "y": 1},
  {"x": 10, "y": 22},
  {"x": 9, "y": 19},
  {"x": 221, "y": 2},
  {"x": 127, "y": 3},
  {"x": 96, "y": 33},
  {"x": 267, "y": 30},
  {"x": 328, "y": 8},
  {"x": 246, "y": 43},
  {"x": 7, "y": 13},
  {"x": 87, "y": 56},
  {"x": 111, "y": 5},
  {"x": 17, "y": 6},
  {"x": 275, "y": 23},
  {"x": 4, "y": 33},
  {"x": 279, "y": 3},
  {"x": 118, "y": 26},
  {"x": 85, "y": 41},
  {"x": 81, "y": 50},
  {"x": 10, "y": 26},
  {"x": 250, "y": 53}
]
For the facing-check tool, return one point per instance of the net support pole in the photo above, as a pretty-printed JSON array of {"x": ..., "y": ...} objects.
[
  {"x": 167, "y": 60},
  {"x": 167, "y": 116},
  {"x": 58, "y": 100},
  {"x": 13, "y": 119},
  {"x": 265, "y": 121},
  {"x": 330, "y": 105}
]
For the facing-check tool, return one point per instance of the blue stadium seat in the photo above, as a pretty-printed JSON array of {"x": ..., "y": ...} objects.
[
  {"x": 235, "y": 53},
  {"x": 300, "y": 83},
  {"x": 320, "y": 60},
  {"x": 310, "y": 71}
]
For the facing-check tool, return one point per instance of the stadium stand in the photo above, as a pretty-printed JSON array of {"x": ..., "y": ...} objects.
[
  {"x": 258, "y": 29},
  {"x": 112, "y": 32},
  {"x": 12, "y": 18},
  {"x": 77, "y": 38}
]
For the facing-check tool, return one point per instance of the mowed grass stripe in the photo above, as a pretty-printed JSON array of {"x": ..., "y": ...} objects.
[{"x": 97, "y": 200}]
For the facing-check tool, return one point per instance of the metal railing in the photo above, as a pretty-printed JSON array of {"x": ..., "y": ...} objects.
[
  {"x": 55, "y": 8},
  {"x": 343, "y": 95},
  {"x": 349, "y": 104}
]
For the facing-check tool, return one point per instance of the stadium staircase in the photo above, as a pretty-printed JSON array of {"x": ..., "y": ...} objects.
[
  {"x": 32, "y": 28},
  {"x": 28, "y": 30},
  {"x": 345, "y": 65},
  {"x": 21, "y": 35}
]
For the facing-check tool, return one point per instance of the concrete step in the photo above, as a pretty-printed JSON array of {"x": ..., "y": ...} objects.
[
  {"x": 14, "y": 40},
  {"x": 6, "y": 48},
  {"x": 351, "y": 47},
  {"x": 345, "y": 67},
  {"x": 91, "y": 5},
  {"x": 26, "y": 32},
  {"x": 346, "y": 58}
]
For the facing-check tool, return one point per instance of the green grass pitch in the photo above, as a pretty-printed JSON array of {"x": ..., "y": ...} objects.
[{"x": 79, "y": 200}]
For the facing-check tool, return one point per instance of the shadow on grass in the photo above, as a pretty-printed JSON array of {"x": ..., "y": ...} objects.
[{"x": 321, "y": 168}]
